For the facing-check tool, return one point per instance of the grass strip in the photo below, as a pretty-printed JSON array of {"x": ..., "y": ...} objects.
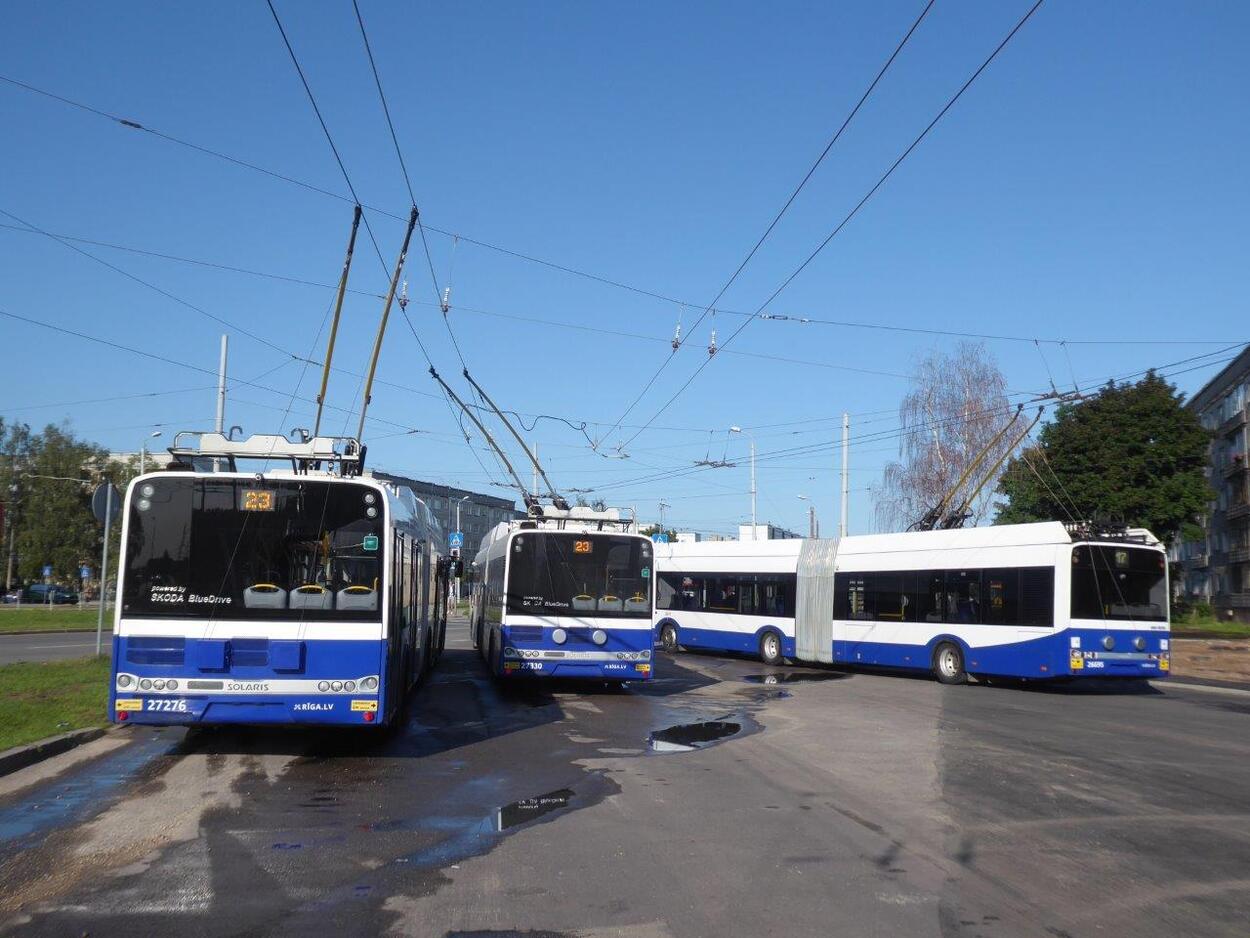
[{"x": 42, "y": 699}]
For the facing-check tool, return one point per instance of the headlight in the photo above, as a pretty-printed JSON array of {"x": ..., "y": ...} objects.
[
  {"x": 144, "y": 504},
  {"x": 349, "y": 685},
  {"x": 599, "y": 637},
  {"x": 145, "y": 684},
  {"x": 158, "y": 684},
  {"x": 171, "y": 684},
  {"x": 644, "y": 655},
  {"x": 509, "y": 652},
  {"x": 124, "y": 680},
  {"x": 559, "y": 636},
  {"x": 1108, "y": 642},
  {"x": 147, "y": 490},
  {"x": 336, "y": 686},
  {"x": 371, "y": 512},
  {"x": 1139, "y": 643},
  {"x": 323, "y": 686},
  {"x": 369, "y": 683}
]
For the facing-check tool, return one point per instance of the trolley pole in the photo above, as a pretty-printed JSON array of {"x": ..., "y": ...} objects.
[{"x": 846, "y": 444}]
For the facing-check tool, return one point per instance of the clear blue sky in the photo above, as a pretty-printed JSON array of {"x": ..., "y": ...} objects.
[{"x": 1090, "y": 185}]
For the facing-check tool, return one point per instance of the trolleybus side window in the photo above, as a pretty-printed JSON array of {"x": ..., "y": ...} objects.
[
  {"x": 999, "y": 596},
  {"x": 747, "y": 594}
]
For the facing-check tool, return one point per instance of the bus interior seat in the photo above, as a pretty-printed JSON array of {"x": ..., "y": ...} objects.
[
  {"x": 356, "y": 597},
  {"x": 636, "y": 603},
  {"x": 264, "y": 596},
  {"x": 611, "y": 604},
  {"x": 583, "y": 603},
  {"x": 311, "y": 596}
]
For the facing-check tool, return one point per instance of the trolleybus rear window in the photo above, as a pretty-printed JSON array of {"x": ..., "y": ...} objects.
[
  {"x": 579, "y": 575},
  {"x": 238, "y": 549},
  {"x": 1113, "y": 582}
]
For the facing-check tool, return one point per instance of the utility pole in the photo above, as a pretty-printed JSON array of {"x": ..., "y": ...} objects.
[
  {"x": 10, "y": 521},
  {"x": 846, "y": 445},
  {"x": 663, "y": 505},
  {"x": 754, "y": 529},
  {"x": 221, "y": 385}
]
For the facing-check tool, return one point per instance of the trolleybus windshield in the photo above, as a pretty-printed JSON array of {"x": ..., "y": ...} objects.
[
  {"x": 242, "y": 549},
  {"x": 1112, "y": 582},
  {"x": 580, "y": 574}
]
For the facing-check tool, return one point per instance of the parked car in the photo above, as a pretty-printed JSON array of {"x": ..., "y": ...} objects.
[
  {"x": 49, "y": 594},
  {"x": 11, "y": 596}
]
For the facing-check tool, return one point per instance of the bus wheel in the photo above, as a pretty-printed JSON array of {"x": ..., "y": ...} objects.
[
  {"x": 770, "y": 648},
  {"x": 668, "y": 637},
  {"x": 948, "y": 664},
  {"x": 492, "y": 656}
]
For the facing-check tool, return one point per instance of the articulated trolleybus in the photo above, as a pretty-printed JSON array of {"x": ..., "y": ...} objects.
[
  {"x": 1033, "y": 601},
  {"x": 296, "y": 595},
  {"x": 566, "y": 593}
]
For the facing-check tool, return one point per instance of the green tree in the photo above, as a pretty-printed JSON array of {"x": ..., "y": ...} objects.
[{"x": 1131, "y": 453}]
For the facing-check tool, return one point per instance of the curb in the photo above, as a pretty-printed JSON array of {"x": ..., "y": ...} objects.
[
  {"x": 1207, "y": 682},
  {"x": 108, "y": 631},
  {"x": 20, "y": 757}
]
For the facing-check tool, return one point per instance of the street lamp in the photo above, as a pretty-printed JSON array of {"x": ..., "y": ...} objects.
[
  {"x": 811, "y": 515},
  {"x": 754, "y": 529},
  {"x": 143, "y": 451}
]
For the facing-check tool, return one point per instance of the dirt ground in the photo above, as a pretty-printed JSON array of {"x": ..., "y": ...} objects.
[{"x": 1217, "y": 659}]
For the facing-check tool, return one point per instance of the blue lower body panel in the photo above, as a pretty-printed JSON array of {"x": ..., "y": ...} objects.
[
  {"x": 530, "y": 651},
  {"x": 724, "y": 640},
  {"x": 1069, "y": 653},
  {"x": 175, "y": 680}
]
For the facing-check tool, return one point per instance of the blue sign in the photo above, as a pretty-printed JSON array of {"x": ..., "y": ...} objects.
[
  {"x": 455, "y": 539},
  {"x": 47, "y": 569},
  {"x": 85, "y": 572},
  {"x": 660, "y": 537}
]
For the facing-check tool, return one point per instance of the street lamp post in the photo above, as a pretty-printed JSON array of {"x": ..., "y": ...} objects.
[
  {"x": 811, "y": 515},
  {"x": 457, "y": 583},
  {"x": 754, "y": 529},
  {"x": 143, "y": 451}
]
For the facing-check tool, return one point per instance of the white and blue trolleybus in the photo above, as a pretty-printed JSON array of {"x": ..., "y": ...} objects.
[
  {"x": 1036, "y": 601},
  {"x": 311, "y": 593},
  {"x": 566, "y": 594}
]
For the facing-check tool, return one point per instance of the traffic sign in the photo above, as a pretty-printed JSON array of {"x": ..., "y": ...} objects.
[
  {"x": 47, "y": 569},
  {"x": 105, "y": 498},
  {"x": 85, "y": 572},
  {"x": 455, "y": 539},
  {"x": 660, "y": 537}
]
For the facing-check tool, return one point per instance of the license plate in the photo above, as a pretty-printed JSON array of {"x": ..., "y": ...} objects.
[{"x": 165, "y": 705}]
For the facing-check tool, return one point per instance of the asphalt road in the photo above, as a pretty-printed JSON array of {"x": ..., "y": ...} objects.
[
  {"x": 833, "y": 804},
  {"x": 51, "y": 646}
]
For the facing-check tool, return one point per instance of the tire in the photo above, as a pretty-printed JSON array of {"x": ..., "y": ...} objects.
[
  {"x": 948, "y": 664},
  {"x": 492, "y": 656},
  {"x": 668, "y": 637},
  {"x": 770, "y": 648}
]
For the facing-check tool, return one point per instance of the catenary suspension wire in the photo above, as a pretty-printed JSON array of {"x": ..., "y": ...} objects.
[
  {"x": 850, "y": 215},
  {"x": 777, "y": 218}
]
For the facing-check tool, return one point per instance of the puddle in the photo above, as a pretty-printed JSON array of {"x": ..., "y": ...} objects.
[
  {"x": 520, "y": 812},
  {"x": 687, "y": 737},
  {"x": 86, "y": 791},
  {"x": 795, "y": 677}
]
